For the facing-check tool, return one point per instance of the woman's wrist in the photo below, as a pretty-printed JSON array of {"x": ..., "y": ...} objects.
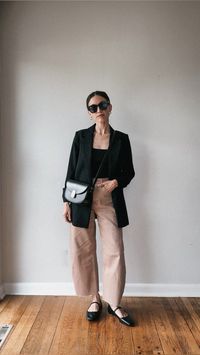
[{"x": 67, "y": 204}]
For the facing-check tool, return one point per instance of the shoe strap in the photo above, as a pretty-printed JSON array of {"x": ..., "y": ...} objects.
[{"x": 117, "y": 308}]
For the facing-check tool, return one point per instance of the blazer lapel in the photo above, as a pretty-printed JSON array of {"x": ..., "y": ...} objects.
[
  {"x": 114, "y": 151},
  {"x": 87, "y": 147}
]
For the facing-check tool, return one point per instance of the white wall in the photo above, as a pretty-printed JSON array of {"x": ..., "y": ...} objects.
[{"x": 146, "y": 55}]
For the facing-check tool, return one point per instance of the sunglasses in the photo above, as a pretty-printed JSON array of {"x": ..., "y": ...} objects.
[{"x": 103, "y": 105}]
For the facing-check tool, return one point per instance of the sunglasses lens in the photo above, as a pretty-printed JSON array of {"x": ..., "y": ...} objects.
[
  {"x": 103, "y": 105},
  {"x": 92, "y": 108}
]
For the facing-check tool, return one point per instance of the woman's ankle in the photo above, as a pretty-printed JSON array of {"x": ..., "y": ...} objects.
[
  {"x": 113, "y": 306},
  {"x": 96, "y": 297}
]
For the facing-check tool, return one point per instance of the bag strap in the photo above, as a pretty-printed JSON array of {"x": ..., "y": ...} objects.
[{"x": 103, "y": 160}]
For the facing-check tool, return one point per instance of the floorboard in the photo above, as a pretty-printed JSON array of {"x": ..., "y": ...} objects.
[{"x": 57, "y": 325}]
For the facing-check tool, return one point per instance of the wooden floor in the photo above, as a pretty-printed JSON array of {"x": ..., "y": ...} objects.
[{"x": 56, "y": 325}]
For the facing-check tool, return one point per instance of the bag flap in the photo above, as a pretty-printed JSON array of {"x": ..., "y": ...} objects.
[{"x": 78, "y": 187}]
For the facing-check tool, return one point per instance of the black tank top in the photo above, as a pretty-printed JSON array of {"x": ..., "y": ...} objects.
[{"x": 97, "y": 156}]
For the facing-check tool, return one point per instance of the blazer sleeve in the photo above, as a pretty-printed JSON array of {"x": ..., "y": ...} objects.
[
  {"x": 72, "y": 162},
  {"x": 127, "y": 171}
]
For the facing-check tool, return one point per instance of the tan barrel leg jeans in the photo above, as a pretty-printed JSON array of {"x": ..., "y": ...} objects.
[{"x": 83, "y": 251}]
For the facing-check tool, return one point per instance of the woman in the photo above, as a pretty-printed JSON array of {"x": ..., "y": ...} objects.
[{"x": 107, "y": 206}]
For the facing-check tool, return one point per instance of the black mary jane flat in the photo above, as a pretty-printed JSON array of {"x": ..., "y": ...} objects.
[
  {"x": 94, "y": 315},
  {"x": 124, "y": 320}
]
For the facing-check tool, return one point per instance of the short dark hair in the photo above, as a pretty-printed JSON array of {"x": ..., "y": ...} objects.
[{"x": 97, "y": 93}]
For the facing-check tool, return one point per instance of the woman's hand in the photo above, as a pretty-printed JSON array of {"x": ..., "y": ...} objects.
[
  {"x": 67, "y": 212},
  {"x": 109, "y": 185}
]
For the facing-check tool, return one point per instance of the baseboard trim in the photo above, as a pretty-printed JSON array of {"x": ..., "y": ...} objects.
[
  {"x": 67, "y": 289},
  {"x": 162, "y": 290},
  {"x": 37, "y": 288},
  {"x": 2, "y": 292}
]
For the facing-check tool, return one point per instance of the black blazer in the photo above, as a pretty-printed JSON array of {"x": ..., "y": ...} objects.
[{"x": 120, "y": 167}]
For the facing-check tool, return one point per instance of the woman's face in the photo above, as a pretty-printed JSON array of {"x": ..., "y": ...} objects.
[{"x": 101, "y": 116}]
